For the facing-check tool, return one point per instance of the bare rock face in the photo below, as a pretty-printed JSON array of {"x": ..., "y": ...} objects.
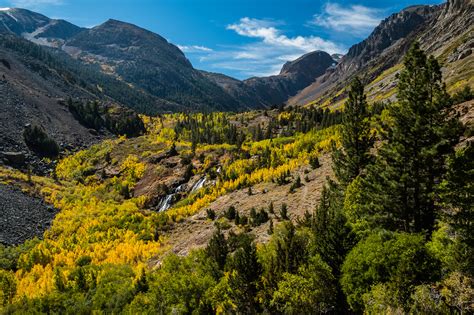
[{"x": 455, "y": 18}]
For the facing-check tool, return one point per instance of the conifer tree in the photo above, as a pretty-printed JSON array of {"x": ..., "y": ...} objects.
[
  {"x": 398, "y": 191},
  {"x": 217, "y": 248},
  {"x": 354, "y": 154}
]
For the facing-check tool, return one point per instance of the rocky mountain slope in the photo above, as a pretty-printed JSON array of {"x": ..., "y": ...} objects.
[
  {"x": 32, "y": 92},
  {"x": 36, "y": 85},
  {"x": 441, "y": 30},
  {"x": 37, "y": 27},
  {"x": 147, "y": 61}
]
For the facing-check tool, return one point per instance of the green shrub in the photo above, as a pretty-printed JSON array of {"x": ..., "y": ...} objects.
[{"x": 39, "y": 142}]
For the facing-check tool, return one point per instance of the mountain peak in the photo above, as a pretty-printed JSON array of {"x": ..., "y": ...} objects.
[{"x": 307, "y": 63}]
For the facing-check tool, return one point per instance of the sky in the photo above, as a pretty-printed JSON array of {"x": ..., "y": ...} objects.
[{"x": 240, "y": 38}]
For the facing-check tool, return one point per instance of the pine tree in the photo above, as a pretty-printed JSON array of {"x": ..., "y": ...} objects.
[
  {"x": 243, "y": 279},
  {"x": 354, "y": 155},
  {"x": 217, "y": 249},
  {"x": 333, "y": 237},
  {"x": 398, "y": 191}
]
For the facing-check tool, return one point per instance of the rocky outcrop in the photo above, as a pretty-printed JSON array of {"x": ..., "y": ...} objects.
[{"x": 13, "y": 158}]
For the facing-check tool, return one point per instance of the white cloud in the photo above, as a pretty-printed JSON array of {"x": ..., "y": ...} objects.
[
  {"x": 272, "y": 36},
  {"x": 354, "y": 18},
  {"x": 194, "y": 49},
  {"x": 34, "y": 3},
  {"x": 271, "y": 49}
]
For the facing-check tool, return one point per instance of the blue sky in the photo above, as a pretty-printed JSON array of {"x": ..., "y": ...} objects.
[{"x": 240, "y": 38}]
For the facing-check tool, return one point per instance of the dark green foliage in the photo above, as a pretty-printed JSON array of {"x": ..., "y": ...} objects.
[
  {"x": 314, "y": 162},
  {"x": 141, "y": 284},
  {"x": 291, "y": 249},
  {"x": 59, "y": 280},
  {"x": 333, "y": 236},
  {"x": 211, "y": 214},
  {"x": 212, "y": 128},
  {"x": 296, "y": 184},
  {"x": 244, "y": 220},
  {"x": 284, "y": 212},
  {"x": 271, "y": 209},
  {"x": 7, "y": 287},
  {"x": 237, "y": 218},
  {"x": 9, "y": 255},
  {"x": 397, "y": 192},
  {"x": 270, "y": 227},
  {"x": 258, "y": 218},
  {"x": 88, "y": 114},
  {"x": 217, "y": 249},
  {"x": 231, "y": 213},
  {"x": 117, "y": 120},
  {"x": 122, "y": 121},
  {"x": 354, "y": 155},
  {"x": 464, "y": 95},
  {"x": 282, "y": 179},
  {"x": 38, "y": 141},
  {"x": 83, "y": 261},
  {"x": 457, "y": 196},
  {"x": 245, "y": 274},
  {"x": 304, "y": 119}
]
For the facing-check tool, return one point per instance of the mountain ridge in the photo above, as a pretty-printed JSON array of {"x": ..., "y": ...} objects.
[
  {"x": 385, "y": 46},
  {"x": 123, "y": 50}
]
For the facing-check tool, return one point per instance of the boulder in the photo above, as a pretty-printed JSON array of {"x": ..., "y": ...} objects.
[{"x": 14, "y": 158}]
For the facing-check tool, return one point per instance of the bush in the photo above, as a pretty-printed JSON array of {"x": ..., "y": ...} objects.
[
  {"x": 211, "y": 214},
  {"x": 230, "y": 213},
  {"x": 400, "y": 259},
  {"x": 314, "y": 162},
  {"x": 464, "y": 95},
  {"x": 39, "y": 142},
  {"x": 258, "y": 218},
  {"x": 284, "y": 212}
]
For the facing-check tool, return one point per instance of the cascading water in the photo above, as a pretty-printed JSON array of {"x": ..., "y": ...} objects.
[
  {"x": 199, "y": 184},
  {"x": 167, "y": 201}
]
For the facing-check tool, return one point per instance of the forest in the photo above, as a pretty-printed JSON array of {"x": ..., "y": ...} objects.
[{"x": 392, "y": 231}]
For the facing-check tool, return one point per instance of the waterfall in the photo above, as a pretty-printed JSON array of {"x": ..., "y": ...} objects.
[
  {"x": 199, "y": 184},
  {"x": 167, "y": 201}
]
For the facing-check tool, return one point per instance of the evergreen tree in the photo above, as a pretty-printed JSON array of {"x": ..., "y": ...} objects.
[
  {"x": 333, "y": 238},
  {"x": 398, "y": 191},
  {"x": 245, "y": 272},
  {"x": 354, "y": 155},
  {"x": 217, "y": 249}
]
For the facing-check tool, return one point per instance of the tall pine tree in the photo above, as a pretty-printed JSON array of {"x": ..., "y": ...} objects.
[
  {"x": 354, "y": 154},
  {"x": 398, "y": 191}
]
